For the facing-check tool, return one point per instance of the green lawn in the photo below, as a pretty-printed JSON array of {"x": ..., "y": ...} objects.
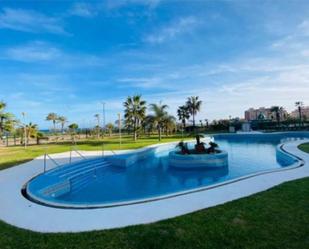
[
  {"x": 304, "y": 147},
  {"x": 10, "y": 156},
  {"x": 277, "y": 218}
]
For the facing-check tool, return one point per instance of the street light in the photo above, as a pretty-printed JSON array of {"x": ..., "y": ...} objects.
[
  {"x": 119, "y": 127},
  {"x": 103, "y": 112}
]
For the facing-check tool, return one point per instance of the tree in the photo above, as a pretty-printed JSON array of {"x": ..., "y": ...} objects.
[
  {"x": 135, "y": 111},
  {"x": 169, "y": 124},
  {"x": 2, "y": 115},
  {"x": 148, "y": 124},
  {"x": 31, "y": 131},
  {"x": 2, "y": 106},
  {"x": 52, "y": 117},
  {"x": 7, "y": 120},
  {"x": 183, "y": 114},
  {"x": 110, "y": 128},
  {"x": 62, "y": 120},
  {"x": 206, "y": 121},
  {"x": 73, "y": 127},
  {"x": 277, "y": 110},
  {"x": 159, "y": 116},
  {"x": 128, "y": 125},
  {"x": 10, "y": 124},
  {"x": 299, "y": 105},
  {"x": 194, "y": 105}
]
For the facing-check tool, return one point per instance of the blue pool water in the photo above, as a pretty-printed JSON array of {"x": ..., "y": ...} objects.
[{"x": 100, "y": 182}]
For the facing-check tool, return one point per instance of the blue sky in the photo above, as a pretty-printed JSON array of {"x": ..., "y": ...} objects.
[{"x": 67, "y": 57}]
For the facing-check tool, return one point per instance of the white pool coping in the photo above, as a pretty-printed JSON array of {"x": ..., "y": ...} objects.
[{"x": 19, "y": 211}]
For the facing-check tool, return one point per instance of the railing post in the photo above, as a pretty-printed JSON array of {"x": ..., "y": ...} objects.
[
  {"x": 103, "y": 149},
  {"x": 44, "y": 162},
  {"x": 71, "y": 155}
]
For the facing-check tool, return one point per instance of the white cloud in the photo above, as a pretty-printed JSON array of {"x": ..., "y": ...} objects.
[
  {"x": 83, "y": 10},
  {"x": 304, "y": 27},
  {"x": 33, "y": 52},
  {"x": 116, "y": 4},
  {"x": 181, "y": 26},
  {"x": 30, "y": 21},
  {"x": 43, "y": 52},
  {"x": 297, "y": 40}
]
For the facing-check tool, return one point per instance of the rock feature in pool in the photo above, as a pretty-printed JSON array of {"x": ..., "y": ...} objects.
[{"x": 199, "y": 157}]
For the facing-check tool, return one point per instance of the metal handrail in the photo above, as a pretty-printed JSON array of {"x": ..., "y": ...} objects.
[
  {"x": 52, "y": 160},
  {"x": 80, "y": 154},
  {"x": 102, "y": 149},
  {"x": 77, "y": 152}
]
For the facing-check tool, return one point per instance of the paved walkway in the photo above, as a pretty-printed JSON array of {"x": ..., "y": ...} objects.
[{"x": 20, "y": 212}]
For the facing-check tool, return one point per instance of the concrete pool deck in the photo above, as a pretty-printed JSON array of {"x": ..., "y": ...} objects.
[{"x": 19, "y": 211}]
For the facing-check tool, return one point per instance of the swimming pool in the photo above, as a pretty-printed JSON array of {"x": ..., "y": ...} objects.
[{"x": 146, "y": 174}]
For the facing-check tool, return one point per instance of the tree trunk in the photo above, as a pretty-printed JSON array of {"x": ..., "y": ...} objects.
[
  {"x": 193, "y": 121},
  {"x": 300, "y": 116},
  {"x": 1, "y": 125},
  {"x": 278, "y": 119},
  {"x": 135, "y": 133},
  {"x": 159, "y": 131}
]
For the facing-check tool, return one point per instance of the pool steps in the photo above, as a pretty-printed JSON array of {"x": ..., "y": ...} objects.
[
  {"x": 72, "y": 177},
  {"x": 69, "y": 167},
  {"x": 79, "y": 170},
  {"x": 81, "y": 182}
]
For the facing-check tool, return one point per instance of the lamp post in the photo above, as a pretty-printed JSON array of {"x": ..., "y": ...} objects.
[
  {"x": 103, "y": 121},
  {"x": 25, "y": 132}
]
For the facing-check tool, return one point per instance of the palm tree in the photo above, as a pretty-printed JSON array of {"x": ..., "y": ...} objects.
[
  {"x": 7, "y": 120},
  {"x": 148, "y": 124},
  {"x": 62, "y": 120},
  {"x": 2, "y": 106},
  {"x": 73, "y": 127},
  {"x": 183, "y": 114},
  {"x": 10, "y": 123},
  {"x": 31, "y": 131},
  {"x": 206, "y": 121},
  {"x": 169, "y": 123},
  {"x": 194, "y": 106},
  {"x": 299, "y": 105},
  {"x": 2, "y": 115},
  {"x": 135, "y": 111},
  {"x": 159, "y": 116},
  {"x": 277, "y": 110},
  {"x": 52, "y": 117},
  {"x": 110, "y": 128}
]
